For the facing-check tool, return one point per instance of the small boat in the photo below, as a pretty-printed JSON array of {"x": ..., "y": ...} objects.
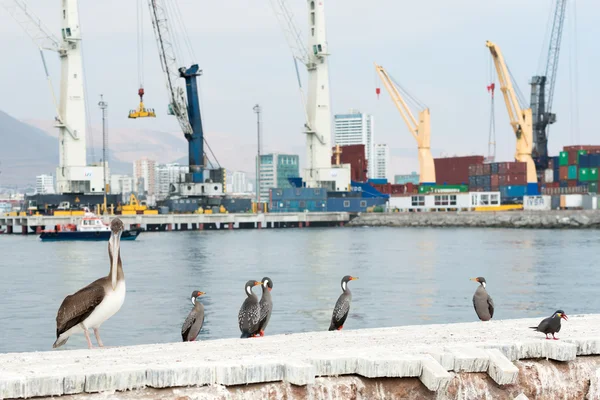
[{"x": 90, "y": 228}]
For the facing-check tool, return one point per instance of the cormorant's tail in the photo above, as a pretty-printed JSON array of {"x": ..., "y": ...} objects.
[
  {"x": 332, "y": 327},
  {"x": 245, "y": 335},
  {"x": 533, "y": 327}
]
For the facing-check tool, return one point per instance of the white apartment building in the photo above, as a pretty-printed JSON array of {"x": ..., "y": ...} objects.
[
  {"x": 144, "y": 175},
  {"x": 356, "y": 128},
  {"x": 167, "y": 174},
  {"x": 44, "y": 184},
  {"x": 122, "y": 184},
  {"x": 382, "y": 166},
  {"x": 238, "y": 182}
]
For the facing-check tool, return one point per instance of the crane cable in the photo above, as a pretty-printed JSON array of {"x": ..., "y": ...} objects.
[
  {"x": 140, "y": 43},
  {"x": 573, "y": 78}
]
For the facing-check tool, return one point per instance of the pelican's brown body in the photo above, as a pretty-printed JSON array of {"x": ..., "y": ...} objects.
[{"x": 89, "y": 307}]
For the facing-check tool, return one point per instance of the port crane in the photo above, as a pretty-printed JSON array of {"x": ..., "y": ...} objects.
[
  {"x": 316, "y": 102},
  {"x": 73, "y": 175},
  {"x": 420, "y": 130},
  {"x": 186, "y": 110},
  {"x": 542, "y": 88},
  {"x": 520, "y": 119}
]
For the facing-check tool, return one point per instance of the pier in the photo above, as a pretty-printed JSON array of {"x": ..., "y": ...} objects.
[
  {"x": 496, "y": 359},
  {"x": 182, "y": 222}
]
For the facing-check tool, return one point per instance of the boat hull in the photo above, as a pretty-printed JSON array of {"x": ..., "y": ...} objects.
[{"x": 99, "y": 236}]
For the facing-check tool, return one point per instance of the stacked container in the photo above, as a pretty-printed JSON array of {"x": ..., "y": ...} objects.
[
  {"x": 355, "y": 156},
  {"x": 455, "y": 170},
  {"x": 509, "y": 178}
]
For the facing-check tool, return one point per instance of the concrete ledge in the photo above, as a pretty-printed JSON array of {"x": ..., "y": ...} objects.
[{"x": 418, "y": 353}]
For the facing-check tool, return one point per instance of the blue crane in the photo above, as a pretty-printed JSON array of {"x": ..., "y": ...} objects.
[{"x": 542, "y": 89}]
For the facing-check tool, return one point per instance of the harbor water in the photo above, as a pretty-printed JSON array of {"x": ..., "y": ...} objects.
[{"x": 407, "y": 276}]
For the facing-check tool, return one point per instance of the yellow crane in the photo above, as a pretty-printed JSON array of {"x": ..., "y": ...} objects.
[
  {"x": 520, "y": 119},
  {"x": 420, "y": 130}
]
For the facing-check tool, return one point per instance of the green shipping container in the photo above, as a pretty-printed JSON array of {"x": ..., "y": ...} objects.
[
  {"x": 443, "y": 188},
  {"x": 584, "y": 174},
  {"x": 593, "y": 187},
  {"x": 563, "y": 159},
  {"x": 572, "y": 173},
  {"x": 593, "y": 174}
]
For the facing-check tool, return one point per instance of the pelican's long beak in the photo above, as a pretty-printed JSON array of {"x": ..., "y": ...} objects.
[{"x": 114, "y": 243}]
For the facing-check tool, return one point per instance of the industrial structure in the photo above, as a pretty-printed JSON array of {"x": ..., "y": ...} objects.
[
  {"x": 520, "y": 119},
  {"x": 76, "y": 181},
  {"x": 194, "y": 192},
  {"x": 420, "y": 130},
  {"x": 542, "y": 89},
  {"x": 319, "y": 173}
]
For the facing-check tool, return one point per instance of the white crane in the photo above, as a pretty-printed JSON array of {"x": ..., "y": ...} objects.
[
  {"x": 319, "y": 171},
  {"x": 73, "y": 175}
]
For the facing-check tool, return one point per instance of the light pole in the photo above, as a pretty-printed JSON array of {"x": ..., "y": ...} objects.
[
  {"x": 103, "y": 106},
  {"x": 258, "y": 110}
]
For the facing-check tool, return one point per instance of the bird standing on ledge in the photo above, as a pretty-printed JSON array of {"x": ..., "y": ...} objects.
[
  {"x": 483, "y": 303},
  {"x": 551, "y": 325},
  {"x": 249, "y": 315},
  {"x": 342, "y": 306},
  {"x": 91, "y": 306},
  {"x": 266, "y": 305},
  {"x": 193, "y": 323}
]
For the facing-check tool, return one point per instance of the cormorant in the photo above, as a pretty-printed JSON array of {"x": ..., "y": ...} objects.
[
  {"x": 193, "y": 323},
  {"x": 342, "y": 306},
  {"x": 249, "y": 315},
  {"x": 483, "y": 303},
  {"x": 266, "y": 305}
]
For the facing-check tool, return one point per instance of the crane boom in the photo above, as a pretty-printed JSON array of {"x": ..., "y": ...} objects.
[
  {"x": 520, "y": 119},
  {"x": 31, "y": 24},
  {"x": 420, "y": 130},
  {"x": 542, "y": 88},
  {"x": 168, "y": 62}
]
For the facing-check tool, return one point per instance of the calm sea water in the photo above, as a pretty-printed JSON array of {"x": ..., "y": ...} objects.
[{"x": 407, "y": 276}]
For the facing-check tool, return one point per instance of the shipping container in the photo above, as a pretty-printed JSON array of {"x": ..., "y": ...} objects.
[
  {"x": 443, "y": 188},
  {"x": 378, "y": 181},
  {"x": 512, "y": 179},
  {"x": 593, "y": 187},
  {"x": 584, "y": 174},
  {"x": 512, "y": 167},
  {"x": 455, "y": 170},
  {"x": 513, "y": 191},
  {"x": 494, "y": 168},
  {"x": 571, "y": 201},
  {"x": 573, "y": 157},
  {"x": 563, "y": 173},
  {"x": 593, "y": 175},
  {"x": 486, "y": 169},
  {"x": 591, "y": 148},
  {"x": 537, "y": 203},
  {"x": 355, "y": 156},
  {"x": 548, "y": 176},
  {"x": 563, "y": 159},
  {"x": 572, "y": 173},
  {"x": 495, "y": 180}
]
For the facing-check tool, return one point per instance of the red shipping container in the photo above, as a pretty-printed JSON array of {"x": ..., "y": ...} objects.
[
  {"x": 495, "y": 180},
  {"x": 355, "y": 156},
  {"x": 486, "y": 169},
  {"x": 398, "y": 189},
  {"x": 479, "y": 169},
  {"x": 591, "y": 148},
  {"x": 572, "y": 183},
  {"x": 494, "y": 188},
  {"x": 573, "y": 157},
  {"x": 411, "y": 187},
  {"x": 563, "y": 173},
  {"x": 517, "y": 179},
  {"x": 472, "y": 170},
  {"x": 454, "y": 170}
]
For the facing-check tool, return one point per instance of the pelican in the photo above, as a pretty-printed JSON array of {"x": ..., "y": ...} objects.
[{"x": 89, "y": 307}]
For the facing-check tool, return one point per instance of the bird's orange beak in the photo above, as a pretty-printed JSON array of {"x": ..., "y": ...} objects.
[
  {"x": 257, "y": 283},
  {"x": 474, "y": 279},
  {"x": 201, "y": 293},
  {"x": 353, "y": 278}
]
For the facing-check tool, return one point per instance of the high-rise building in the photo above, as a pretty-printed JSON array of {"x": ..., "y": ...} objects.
[
  {"x": 275, "y": 169},
  {"x": 44, "y": 184},
  {"x": 144, "y": 175},
  {"x": 122, "y": 184},
  {"x": 356, "y": 128},
  {"x": 382, "y": 162},
  {"x": 238, "y": 182},
  {"x": 167, "y": 174}
]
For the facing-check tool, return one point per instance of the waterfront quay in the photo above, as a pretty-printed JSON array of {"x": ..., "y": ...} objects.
[
  {"x": 496, "y": 359},
  {"x": 183, "y": 222}
]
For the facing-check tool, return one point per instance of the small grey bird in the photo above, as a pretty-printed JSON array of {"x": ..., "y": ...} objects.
[
  {"x": 342, "y": 306},
  {"x": 195, "y": 319},
  {"x": 266, "y": 305},
  {"x": 249, "y": 315},
  {"x": 482, "y": 301},
  {"x": 551, "y": 325}
]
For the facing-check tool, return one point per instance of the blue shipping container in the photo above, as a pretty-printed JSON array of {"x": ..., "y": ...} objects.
[
  {"x": 494, "y": 168},
  {"x": 378, "y": 181},
  {"x": 584, "y": 161},
  {"x": 513, "y": 191}
]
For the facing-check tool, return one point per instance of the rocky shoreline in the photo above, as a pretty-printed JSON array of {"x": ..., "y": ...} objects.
[{"x": 555, "y": 219}]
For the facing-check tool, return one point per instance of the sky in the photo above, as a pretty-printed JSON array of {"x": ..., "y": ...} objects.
[{"x": 434, "y": 48}]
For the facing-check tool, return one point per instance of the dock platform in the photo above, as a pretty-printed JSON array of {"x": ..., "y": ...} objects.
[
  {"x": 177, "y": 222},
  {"x": 496, "y": 359}
]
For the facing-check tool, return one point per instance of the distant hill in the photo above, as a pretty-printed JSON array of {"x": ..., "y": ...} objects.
[{"x": 27, "y": 151}]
